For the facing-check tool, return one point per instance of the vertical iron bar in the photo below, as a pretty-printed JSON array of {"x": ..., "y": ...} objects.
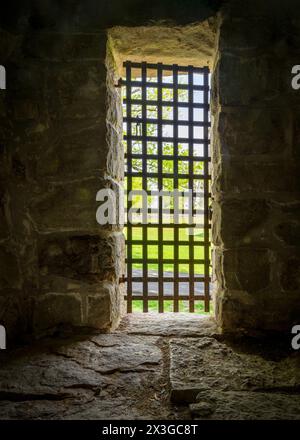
[
  {"x": 160, "y": 187},
  {"x": 206, "y": 196},
  {"x": 129, "y": 187},
  {"x": 144, "y": 179},
  {"x": 175, "y": 167},
  {"x": 191, "y": 189}
]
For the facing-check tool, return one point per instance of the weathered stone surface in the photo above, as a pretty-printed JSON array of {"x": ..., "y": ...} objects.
[
  {"x": 290, "y": 274},
  {"x": 10, "y": 276},
  {"x": 237, "y": 310},
  {"x": 236, "y": 269},
  {"x": 125, "y": 376},
  {"x": 253, "y": 81},
  {"x": 289, "y": 232},
  {"x": 208, "y": 366},
  {"x": 169, "y": 324},
  {"x": 76, "y": 256},
  {"x": 103, "y": 377},
  {"x": 77, "y": 94},
  {"x": 104, "y": 306},
  {"x": 252, "y": 131},
  {"x": 202, "y": 409},
  {"x": 109, "y": 353},
  {"x": 254, "y": 163},
  {"x": 53, "y": 309},
  {"x": 64, "y": 46},
  {"x": 244, "y": 35},
  {"x": 236, "y": 405},
  {"x": 51, "y": 212},
  {"x": 193, "y": 44},
  {"x": 237, "y": 176},
  {"x": 230, "y": 229},
  {"x": 66, "y": 158}
]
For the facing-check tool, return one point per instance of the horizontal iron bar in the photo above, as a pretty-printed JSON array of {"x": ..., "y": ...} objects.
[
  {"x": 168, "y": 260},
  {"x": 170, "y": 211},
  {"x": 164, "y": 85},
  {"x": 176, "y": 67},
  {"x": 167, "y": 242},
  {"x": 166, "y": 103},
  {"x": 166, "y": 298},
  {"x": 168, "y": 157},
  {"x": 198, "y": 279},
  {"x": 170, "y": 225},
  {"x": 165, "y": 139},
  {"x": 149, "y": 192},
  {"x": 168, "y": 175},
  {"x": 136, "y": 120}
]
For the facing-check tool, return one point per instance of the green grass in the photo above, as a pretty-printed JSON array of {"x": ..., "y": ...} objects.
[
  {"x": 168, "y": 253},
  {"x": 168, "y": 250},
  {"x": 137, "y": 306}
]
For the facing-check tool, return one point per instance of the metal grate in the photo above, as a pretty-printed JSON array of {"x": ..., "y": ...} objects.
[{"x": 166, "y": 141}]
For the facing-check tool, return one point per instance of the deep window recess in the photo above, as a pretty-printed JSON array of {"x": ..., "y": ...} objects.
[{"x": 166, "y": 141}]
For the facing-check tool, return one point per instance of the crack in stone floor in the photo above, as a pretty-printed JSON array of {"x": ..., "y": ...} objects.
[{"x": 170, "y": 366}]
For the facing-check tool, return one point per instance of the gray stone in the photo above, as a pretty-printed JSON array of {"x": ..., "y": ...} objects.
[
  {"x": 201, "y": 409},
  {"x": 100, "y": 377},
  {"x": 54, "y": 309},
  {"x": 289, "y": 232},
  {"x": 109, "y": 353},
  {"x": 244, "y": 229},
  {"x": 238, "y": 405},
  {"x": 250, "y": 133},
  {"x": 238, "y": 176},
  {"x": 290, "y": 274},
  {"x": 170, "y": 324},
  {"x": 100, "y": 306},
  {"x": 207, "y": 365},
  {"x": 236, "y": 269},
  {"x": 91, "y": 257},
  {"x": 50, "y": 212}
]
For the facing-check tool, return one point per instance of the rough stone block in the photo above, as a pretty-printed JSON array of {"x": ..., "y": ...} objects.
[
  {"x": 15, "y": 310},
  {"x": 245, "y": 269},
  {"x": 70, "y": 206},
  {"x": 249, "y": 81},
  {"x": 23, "y": 79},
  {"x": 54, "y": 309},
  {"x": 100, "y": 307},
  {"x": 289, "y": 232},
  {"x": 244, "y": 35},
  {"x": 76, "y": 93},
  {"x": 82, "y": 257},
  {"x": 65, "y": 47},
  {"x": 210, "y": 366},
  {"x": 4, "y": 227},
  {"x": 237, "y": 222},
  {"x": 245, "y": 131},
  {"x": 237, "y": 176},
  {"x": 10, "y": 276},
  {"x": 115, "y": 162},
  {"x": 290, "y": 273},
  {"x": 9, "y": 44},
  {"x": 77, "y": 155},
  {"x": 170, "y": 324}
]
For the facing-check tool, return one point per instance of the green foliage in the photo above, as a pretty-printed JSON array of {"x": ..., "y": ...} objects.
[{"x": 167, "y": 147}]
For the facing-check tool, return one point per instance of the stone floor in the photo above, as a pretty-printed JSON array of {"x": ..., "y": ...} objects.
[{"x": 154, "y": 367}]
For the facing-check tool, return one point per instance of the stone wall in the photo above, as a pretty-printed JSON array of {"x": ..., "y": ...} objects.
[
  {"x": 60, "y": 143},
  {"x": 256, "y": 223}
]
